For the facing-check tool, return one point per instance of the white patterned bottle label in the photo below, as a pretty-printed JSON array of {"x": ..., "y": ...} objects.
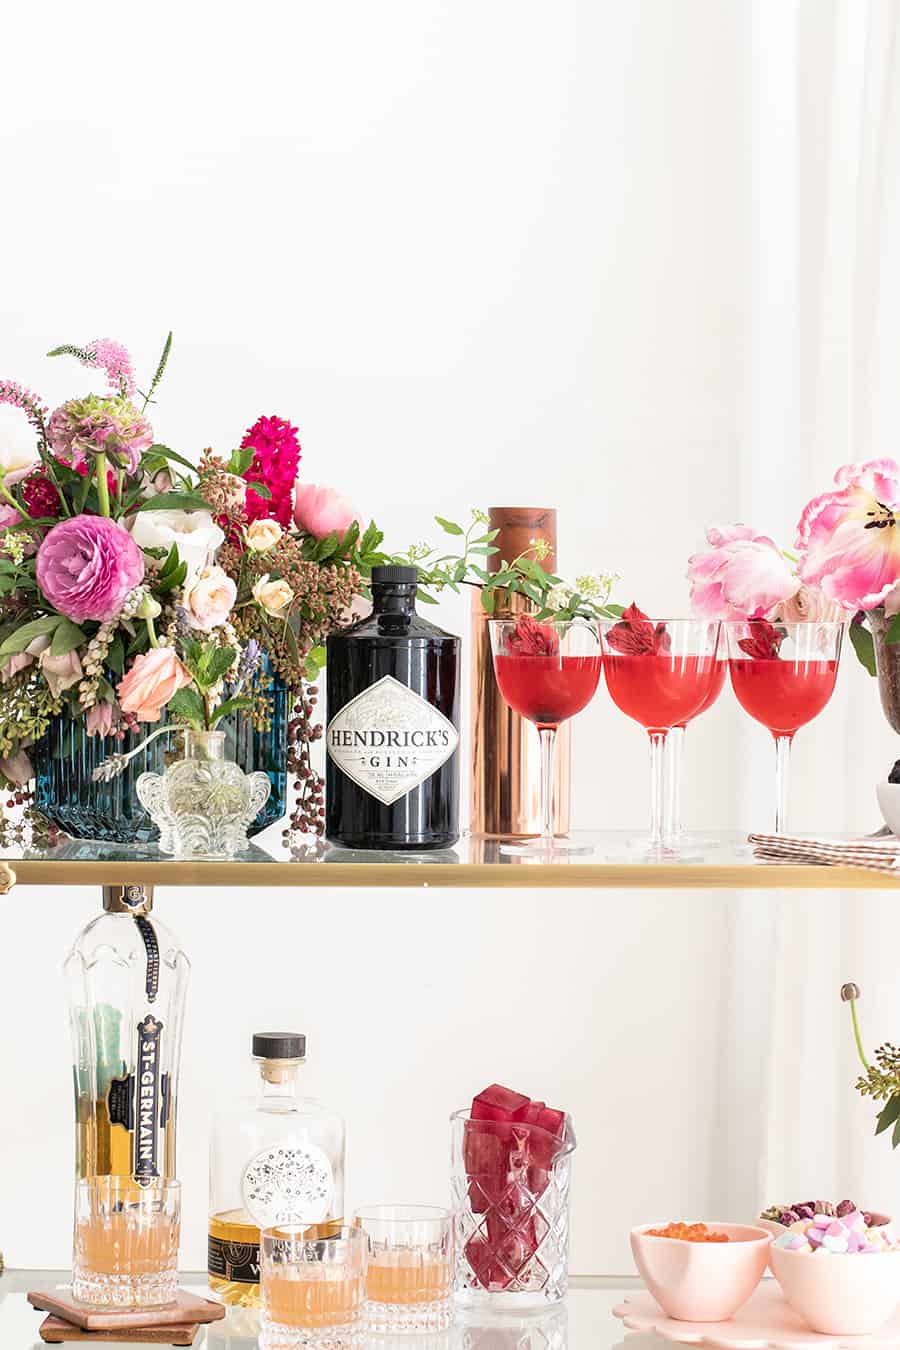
[
  {"x": 290, "y": 1182},
  {"x": 389, "y": 739}
]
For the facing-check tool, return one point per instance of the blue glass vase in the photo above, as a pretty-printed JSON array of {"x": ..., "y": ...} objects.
[{"x": 64, "y": 761}]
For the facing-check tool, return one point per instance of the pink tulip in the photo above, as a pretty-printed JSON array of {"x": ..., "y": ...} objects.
[
  {"x": 849, "y": 539},
  {"x": 742, "y": 575},
  {"x": 319, "y": 510}
]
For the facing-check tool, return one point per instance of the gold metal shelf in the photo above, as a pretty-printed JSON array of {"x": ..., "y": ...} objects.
[{"x": 617, "y": 862}]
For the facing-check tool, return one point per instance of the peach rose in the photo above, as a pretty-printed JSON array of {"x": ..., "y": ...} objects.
[
  {"x": 210, "y": 599},
  {"x": 263, "y": 534},
  {"x": 273, "y": 596},
  {"x": 152, "y": 680}
]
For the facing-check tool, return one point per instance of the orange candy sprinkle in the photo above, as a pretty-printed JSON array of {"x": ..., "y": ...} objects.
[{"x": 688, "y": 1232}]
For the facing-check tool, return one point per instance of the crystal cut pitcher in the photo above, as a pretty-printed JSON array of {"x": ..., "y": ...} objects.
[{"x": 127, "y": 980}]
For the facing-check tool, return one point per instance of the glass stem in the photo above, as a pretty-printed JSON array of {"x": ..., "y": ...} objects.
[
  {"x": 782, "y": 762},
  {"x": 548, "y": 764},
  {"x": 657, "y": 785},
  {"x": 674, "y": 770}
]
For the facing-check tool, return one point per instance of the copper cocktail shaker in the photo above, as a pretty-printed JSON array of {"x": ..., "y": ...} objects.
[{"x": 504, "y": 747}]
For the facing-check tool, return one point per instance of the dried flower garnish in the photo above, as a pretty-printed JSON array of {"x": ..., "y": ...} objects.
[
  {"x": 530, "y": 638},
  {"x": 764, "y": 641},
  {"x": 637, "y": 635}
]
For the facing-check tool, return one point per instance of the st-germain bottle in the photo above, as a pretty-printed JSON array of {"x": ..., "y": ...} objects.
[
  {"x": 277, "y": 1158},
  {"x": 392, "y": 775}
]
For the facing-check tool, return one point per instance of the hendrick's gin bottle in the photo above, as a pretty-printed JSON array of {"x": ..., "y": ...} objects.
[{"x": 393, "y": 725}]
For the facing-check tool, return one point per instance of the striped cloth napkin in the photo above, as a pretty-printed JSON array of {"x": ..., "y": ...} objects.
[{"x": 878, "y": 852}]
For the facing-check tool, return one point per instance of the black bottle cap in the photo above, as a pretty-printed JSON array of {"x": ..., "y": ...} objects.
[
  {"x": 279, "y": 1045},
  {"x": 395, "y": 574}
]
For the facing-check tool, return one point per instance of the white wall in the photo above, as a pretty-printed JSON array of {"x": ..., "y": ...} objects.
[{"x": 479, "y": 251}]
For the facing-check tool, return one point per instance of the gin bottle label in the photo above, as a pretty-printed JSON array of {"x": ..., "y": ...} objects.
[
  {"x": 291, "y": 1182},
  {"x": 389, "y": 740}
]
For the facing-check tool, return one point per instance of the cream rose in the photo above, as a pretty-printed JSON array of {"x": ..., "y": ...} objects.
[
  {"x": 195, "y": 534},
  {"x": 262, "y": 535},
  {"x": 210, "y": 600},
  {"x": 273, "y": 596},
  {"x": 60, "y": 672}
]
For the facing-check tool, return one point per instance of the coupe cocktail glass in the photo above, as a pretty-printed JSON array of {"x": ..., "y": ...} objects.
[
  {"x": 312, "y": 1289},
  {"x": 674, "y": 760},
  {"x": 660, "y": 674},
  {"x": 783, "y": 675},
  {"x": 126, "y": 1242},
  {"x": 409, "y": 1282},
  {"x": 547, "y": 672}
]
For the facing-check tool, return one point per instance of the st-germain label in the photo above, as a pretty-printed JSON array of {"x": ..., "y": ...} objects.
[
  {"x": 389, "y": 739},
  {"x": 147, "y": 1094}
]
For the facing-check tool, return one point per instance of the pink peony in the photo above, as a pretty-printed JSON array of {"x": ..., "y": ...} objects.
[
  {"x": 102, "y": 719},
  {"x": 849, "y": 539},
  {"x": 742, "y": 575},
  {"x": 319, "y": 510},
  {"x": 275, "y": 461},
  {"x": 152, "y": 680},
  {"x": 87, "y": 565}
]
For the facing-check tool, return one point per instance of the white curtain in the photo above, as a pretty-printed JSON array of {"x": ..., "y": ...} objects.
[{"x": 822, "y": 389}]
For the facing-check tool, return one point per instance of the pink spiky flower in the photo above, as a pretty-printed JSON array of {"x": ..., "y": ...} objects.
[
  {"x": 18, "y": 397},
  {"x": 275, "y": 460},
  {"x": 115, "y": 360}
]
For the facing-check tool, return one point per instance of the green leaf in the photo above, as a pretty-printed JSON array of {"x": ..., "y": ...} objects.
[
  {"x": 350, "y": 537},
  {"x": 861, "y": 641},
  {"x": 167, "y": 453},
  {"x": 160, "y": 369},
  {"x": 241, "y": 460},
  {"x": 170, "y": 564},
  {"x": 219, "y": 662},
  {"x": 314, "y": 664},
  {"x": 67, "y": 637},
  {"x": 327, "y": 547},
  {"x": 20, "y": 639},
  {"x": 895, "y": 1137},
  {"x": 260, "y": 489},
  {"x": 115, "y": 656},
  {"x": 888, "y": 1114},
  {"x": 449, "y": 526},
  {"x": 231, "y": 705},
  {"x": 423, "y": 595},
  {"x": 371, "y": 539},
  {"x": 176, "y": 579},
  {"x": 187, "y": 704},
  {"x": 893, "y": 631},
  {"x": 175, "y": 501},
  {"x": 488, "y": 599},
  {"x": 140, "y": 642}
]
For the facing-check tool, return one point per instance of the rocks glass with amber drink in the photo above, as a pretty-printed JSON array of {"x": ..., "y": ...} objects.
[
  {"x": 312, "y": 1289},
  {"x": 409, "y": 1283},
  {"x": 126, "y": 1242}
]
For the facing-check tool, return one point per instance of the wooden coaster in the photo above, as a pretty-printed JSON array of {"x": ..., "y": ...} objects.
[
  {"x": 187, "y": 1310},
  {"x": 55, "y": 1331}
]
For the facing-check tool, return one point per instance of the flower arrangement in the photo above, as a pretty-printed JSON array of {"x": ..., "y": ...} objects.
[{"x": 138, "y": 589}]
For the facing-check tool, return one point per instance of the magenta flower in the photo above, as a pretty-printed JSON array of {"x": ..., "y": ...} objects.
[
  {"x": 87, "y": 565},
  {"x": 849, "y": 539},
  {"x": 277, "y": 454},
  {"x": 742, "y": 575},
  {"x": 94, "y": 425}
]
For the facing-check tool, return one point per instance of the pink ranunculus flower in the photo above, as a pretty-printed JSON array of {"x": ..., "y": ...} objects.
[
  {"x": 102, "y": 718},
  {"x": 87, "y": 565},
  {"x": 849, "y": 539},
  {"x": 154, "y": 677},
  {"x": 319, "y": 510},
  {"x": 742, "y": 575},
  {"x": 17, "y": 768}
]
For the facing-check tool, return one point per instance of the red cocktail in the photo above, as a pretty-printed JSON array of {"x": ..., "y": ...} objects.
[
  {"x": 547, "y": 689},
  {"x": 662, "y": 675},
  {"x": 783, "y": 675},
  {"x": 674, "y": 752},
  {"x": 547, "y": 672}
]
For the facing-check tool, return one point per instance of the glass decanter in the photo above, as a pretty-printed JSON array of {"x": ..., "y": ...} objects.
[
  {"x": 203, "y": 803},
  {"x": 127, "y": 981}
]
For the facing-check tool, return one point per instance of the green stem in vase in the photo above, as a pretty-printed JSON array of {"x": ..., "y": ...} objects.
[
  {"x": 849, "y": 994},
  {"x": 100, "y": 469}
]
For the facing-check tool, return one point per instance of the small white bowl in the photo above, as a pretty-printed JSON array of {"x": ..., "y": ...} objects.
[
  {"x": 839, "y": 1295},
  {"x": 888, "y": 795}
]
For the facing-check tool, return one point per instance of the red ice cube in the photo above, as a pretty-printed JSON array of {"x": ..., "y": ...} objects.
[
  {"x": 495, "y": 1264},
  {"x": 486, "y": 1160},
  {"x": 497, "y": 1103},
  {"x": 544, "y": 1116}
]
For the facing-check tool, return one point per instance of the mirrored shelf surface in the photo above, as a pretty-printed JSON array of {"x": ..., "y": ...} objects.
[{"x": 613, "y": 860}]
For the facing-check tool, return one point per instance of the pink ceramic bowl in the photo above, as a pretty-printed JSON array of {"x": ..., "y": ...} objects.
[
  {"x": 702, "y": 1281},
  {"x": 839, "y": 1295}
]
